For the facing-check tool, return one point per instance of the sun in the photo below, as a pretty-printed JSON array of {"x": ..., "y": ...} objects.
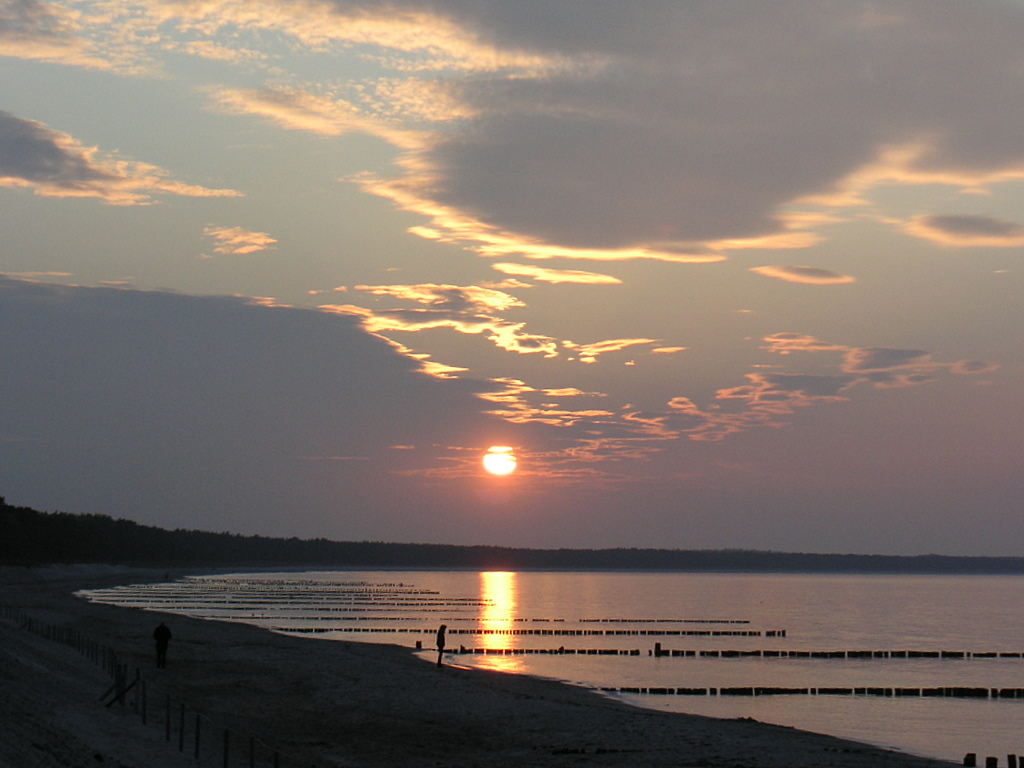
[{"x": 499, "y": 460}]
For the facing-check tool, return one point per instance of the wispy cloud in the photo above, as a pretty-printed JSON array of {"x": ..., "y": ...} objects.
[
  {"x": 966, "y": 231},
  {"x": 239, "y": 241},
  {"x": 588, "y": 353},
  {"x": 546, "y": 275},
  {"x": 459, "y": 298},
  {"x": 503, "y": 334},
  {"x": 32, "y": 29},
  {"x": 768, "y": 399},
  {"x": 53, "y": 164},
  {"x": 805, "y": 275},
  {"x": 301, "y": 110}
]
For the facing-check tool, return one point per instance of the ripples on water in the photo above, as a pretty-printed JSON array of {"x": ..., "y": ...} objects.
[{"x": 874, "y": 643}]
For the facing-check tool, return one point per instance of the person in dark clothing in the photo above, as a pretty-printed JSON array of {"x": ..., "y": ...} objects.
[
  {"x": 440, "y": 643},
  {"x": 162, "y": 635}
]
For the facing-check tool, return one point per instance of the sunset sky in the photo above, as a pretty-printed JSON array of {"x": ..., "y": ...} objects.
[{"x": 716, "y": 274}]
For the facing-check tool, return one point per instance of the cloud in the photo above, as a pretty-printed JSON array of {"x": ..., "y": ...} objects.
[
  {"x": 31, "y": 29},
  {"x": 467, "y": 309},
  {"x": 594, "y": 161},
  {"x": 207, "y": 49},
  {"x": 212, "y": 406},
  {"x": 966, "y": 231},
  {"x": 235, "y": 240},
  {"x": 546, "y": 275},
  {"x": 676, "y": 131},
  {"x": 571, "y": 392},
  {"x": 53, "y": 164},
  {"x": 768, "y": 398},
  {"x": 784, "y": 343},
  {"x": 805, "y": 275},
  {"x": 504, "y": 334},
  {"x": 458, "y": 298},
  {"x": 519, "y": 403},
  {"x": 588, "y": 353},
  {"x": 883, "y": 359},
  {"x": 300, "y": 110}
]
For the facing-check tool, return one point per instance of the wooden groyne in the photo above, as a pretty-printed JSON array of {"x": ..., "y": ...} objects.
[
  {"x": 541, "y": 632},
  {"x": 832, "y": 654},
  {"x": 954, "y": 692},
  {"x": 561, "y": 651}
]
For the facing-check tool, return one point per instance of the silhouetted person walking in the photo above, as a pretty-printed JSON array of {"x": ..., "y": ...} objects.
[
  {"x": 440, "y": 643},
  {"x": 162, "y": 635}
]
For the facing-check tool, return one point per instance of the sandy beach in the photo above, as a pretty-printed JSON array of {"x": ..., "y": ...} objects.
[{"x": 332, "y": 704}]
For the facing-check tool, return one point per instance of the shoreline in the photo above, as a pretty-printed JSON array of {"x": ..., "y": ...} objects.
[{"x": 341, "y": 703}]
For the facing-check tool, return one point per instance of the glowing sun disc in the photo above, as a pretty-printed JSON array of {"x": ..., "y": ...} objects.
[{"x": 499, "y": 460}]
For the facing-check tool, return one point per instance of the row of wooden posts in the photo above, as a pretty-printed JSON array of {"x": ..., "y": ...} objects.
[
  {"x": 1012, "y": 761},
  {"x": 660, "y": 652},
  {"x": 956, "y": 691},
  {"x": 542, "y": 632},
  {"x": 854, "y": 654},
  {"x": 208, "y": 743}
]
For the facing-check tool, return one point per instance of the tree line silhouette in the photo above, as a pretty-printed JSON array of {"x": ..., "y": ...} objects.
[{"x": 30, "y": 537}]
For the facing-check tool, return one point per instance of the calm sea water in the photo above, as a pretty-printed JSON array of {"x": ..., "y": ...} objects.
[{"x": 716, "y": 631}]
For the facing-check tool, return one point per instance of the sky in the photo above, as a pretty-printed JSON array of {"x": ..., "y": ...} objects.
[{"x": 708, "y": 275}]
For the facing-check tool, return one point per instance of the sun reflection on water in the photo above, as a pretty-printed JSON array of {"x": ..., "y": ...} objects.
[{"x": 499, "y": 595}]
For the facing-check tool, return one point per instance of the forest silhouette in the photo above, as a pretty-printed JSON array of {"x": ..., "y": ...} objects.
[{"x": 29, "y": 538}]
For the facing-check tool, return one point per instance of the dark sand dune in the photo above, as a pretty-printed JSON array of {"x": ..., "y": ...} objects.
[{"x": 343, "y": 704}]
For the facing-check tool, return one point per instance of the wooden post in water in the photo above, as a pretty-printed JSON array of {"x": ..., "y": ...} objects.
[
  {"x": 990, "y": 762},
  {"x": 197, "y": 737},
  {"x": 1011, "y": 761},
  {"x": 167, "y": 725},
  {"x": 227, "y": 742},
  {"x": 181, "y": 728}
]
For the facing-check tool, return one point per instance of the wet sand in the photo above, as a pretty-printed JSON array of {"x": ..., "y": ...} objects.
[{"x": 334, "y": 704}]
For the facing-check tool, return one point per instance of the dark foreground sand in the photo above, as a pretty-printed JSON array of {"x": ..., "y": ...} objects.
[{"x": 342, "y": 704}]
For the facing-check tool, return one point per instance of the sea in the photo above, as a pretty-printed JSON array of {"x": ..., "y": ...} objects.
[{"x": 925, "y": 664}]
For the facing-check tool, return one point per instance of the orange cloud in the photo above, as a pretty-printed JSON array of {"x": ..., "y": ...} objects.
[
  {"x": 53, "y": 164},
  {"x": 966, "y": 231},
  {"x": 784, "y": 343},
  {"x": 457, "y": 297},
  {"x": 588, "y": 353},
  {"x": 41, "y": 31},
  {"x": 546, "y": 275},
  {"x": 805, "y": 275},
  {"x": 299, "y": 110},
  {"x": 515, "y": 400},
  {"x": 571, "y": 392},
  {"x": 503, "y": 334},
  {"x": 235, "y": 240}
]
